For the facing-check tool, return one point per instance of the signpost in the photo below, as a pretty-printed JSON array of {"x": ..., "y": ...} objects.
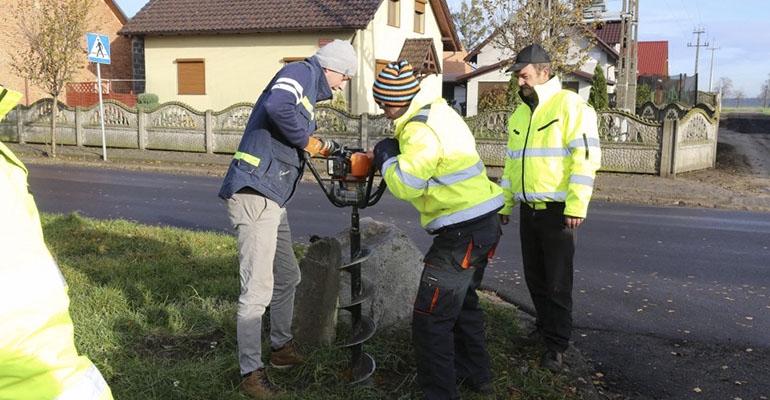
[{"x": 99, "y": 52}]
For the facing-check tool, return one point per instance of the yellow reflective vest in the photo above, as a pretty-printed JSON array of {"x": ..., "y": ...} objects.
[
  {"x": 553, "y": 152},
  {"x": 38, "y": 359},
  {"x": 439, "y": 170}
]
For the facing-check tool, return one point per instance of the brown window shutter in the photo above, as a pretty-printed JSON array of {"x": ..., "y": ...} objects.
[
  {"x": 191, "y": 75},
  {"x": 419, "y": 6}
]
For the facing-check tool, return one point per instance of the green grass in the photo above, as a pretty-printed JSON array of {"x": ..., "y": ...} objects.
[
  {"x": 154, "y": 308},
  {"x": 728, "y": 110}
]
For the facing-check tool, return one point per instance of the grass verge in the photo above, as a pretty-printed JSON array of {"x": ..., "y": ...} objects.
[{"x": 154, "y": 308}]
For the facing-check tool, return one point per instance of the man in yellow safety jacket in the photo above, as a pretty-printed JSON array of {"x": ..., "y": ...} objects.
[
  {"x": 38, "y": 359},
  {"x": 432, "y": 162},
  {"x": 550, "y": 164}
]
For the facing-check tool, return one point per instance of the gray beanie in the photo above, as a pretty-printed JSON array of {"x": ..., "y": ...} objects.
[{"x": 338, "y": 56}]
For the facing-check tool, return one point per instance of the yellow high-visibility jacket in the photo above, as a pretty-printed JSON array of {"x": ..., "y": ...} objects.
[
  {"x": 38, "y": 359},
  {"x": 553, "y": 152},
  {"x": 439, "y": 170}
]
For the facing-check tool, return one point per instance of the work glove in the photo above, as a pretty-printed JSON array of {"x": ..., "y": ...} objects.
[
  {"x": 385, "y": 149},
  {"x": 324, "y": 147}
]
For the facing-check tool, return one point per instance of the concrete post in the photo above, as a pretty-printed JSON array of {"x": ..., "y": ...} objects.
[
  {"x": 208, "y": 134},
  {"x": 78, "y": 126},
  {"x": 315, "y": 302},
  {"x": 140, "y": 129},
  {"x": 665, "y": 150},
  {"x": 364, "y": 138}
]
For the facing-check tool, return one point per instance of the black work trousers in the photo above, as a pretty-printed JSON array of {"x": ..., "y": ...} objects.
[
  {"x": 547, "y": 249},
  {"x": 447, "y": 323}
]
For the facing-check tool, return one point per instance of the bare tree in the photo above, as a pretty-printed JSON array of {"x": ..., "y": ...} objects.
[
  {"x": 765, "y": 91},
  {"x": 557, "y": 25},
  {"x": 53, "y": 34},
  {"x": 739, "y": 96},
  {"x": 471, "y": 23},
  {"x": 725, "y": 86}
]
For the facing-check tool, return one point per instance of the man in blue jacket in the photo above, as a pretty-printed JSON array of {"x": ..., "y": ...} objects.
[{"x": 261, "y": 180}]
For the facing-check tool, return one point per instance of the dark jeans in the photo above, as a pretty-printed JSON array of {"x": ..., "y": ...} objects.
[
  {"x": 447, "y": 323},
  {"x": 547, "y": 249}
]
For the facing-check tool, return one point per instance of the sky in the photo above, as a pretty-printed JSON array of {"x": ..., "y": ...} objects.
[{"x": 736, "y": 30}]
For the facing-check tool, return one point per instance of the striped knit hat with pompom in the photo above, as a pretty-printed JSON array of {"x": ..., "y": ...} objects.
[{"x": 396, "y": 85}]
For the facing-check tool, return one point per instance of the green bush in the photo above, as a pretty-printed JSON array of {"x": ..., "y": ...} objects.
[
  {"x": 147, "y": 101},
  {"x": 147, "y": 98}
]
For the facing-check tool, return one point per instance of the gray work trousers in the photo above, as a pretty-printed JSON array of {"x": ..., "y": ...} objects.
[{"x": 269, "y": 275}]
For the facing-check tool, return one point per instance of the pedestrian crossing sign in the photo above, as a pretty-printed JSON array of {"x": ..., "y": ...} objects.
[{"x": 98, "y": 48}]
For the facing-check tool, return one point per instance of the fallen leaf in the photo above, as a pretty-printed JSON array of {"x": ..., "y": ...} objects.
[{"x": 697, "y": 390}]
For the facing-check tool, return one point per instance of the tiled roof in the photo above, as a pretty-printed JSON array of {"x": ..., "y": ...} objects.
[
  {"x": 171, "y": 17},
  {"x": 421, "y": 53},
  {"x": 609, "y": 32},
  {"x": 652, "y": 58}
]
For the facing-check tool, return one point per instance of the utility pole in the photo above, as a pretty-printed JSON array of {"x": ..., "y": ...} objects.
[
  {"x": 627, "y": 62},
  {"x": 697, "y": 46},
  {"x": 711, "y": 71}
]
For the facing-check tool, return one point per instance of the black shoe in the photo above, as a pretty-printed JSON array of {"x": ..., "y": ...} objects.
[
  {"x": 531, "y": 339},
  {"x": 480, "y": 388},
  {"x": 484, "y": 388},
  {"x": 552, "y": 361}
]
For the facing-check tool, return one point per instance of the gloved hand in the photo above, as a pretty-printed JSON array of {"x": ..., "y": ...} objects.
[
  {"x": 385, "y": 149},
  {"x": 324, "y": 147}
]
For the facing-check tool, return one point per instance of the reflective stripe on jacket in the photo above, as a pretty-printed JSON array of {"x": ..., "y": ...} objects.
[
  {"x": 553, "y": 152},
  {"x": 38, "y": 358},
  {"x": 439, "y": 170}
]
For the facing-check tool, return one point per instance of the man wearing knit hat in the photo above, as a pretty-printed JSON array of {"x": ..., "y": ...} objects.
[
  {"x": 432, "y": 162},
  {"x": 261, "y": 180}
]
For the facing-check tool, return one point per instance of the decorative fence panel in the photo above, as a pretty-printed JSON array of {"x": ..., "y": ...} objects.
[{"x": 663, "y": 141}]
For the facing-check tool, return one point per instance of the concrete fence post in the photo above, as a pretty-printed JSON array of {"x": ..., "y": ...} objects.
[
  {"x": 208, "y": 134},
  {"x": 141, "y": 131},
  {"x": 20, "y": 125},
  {"x": 78, "y": 126},
  {"x": 364, "y": 134},
  {"x": 667, "y": 148}
]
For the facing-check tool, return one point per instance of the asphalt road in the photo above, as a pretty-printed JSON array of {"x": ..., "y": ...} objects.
[{"x": 670, "y": 303}]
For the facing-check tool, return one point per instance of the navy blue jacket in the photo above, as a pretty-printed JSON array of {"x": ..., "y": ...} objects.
[{"x": 270, "y": 155}]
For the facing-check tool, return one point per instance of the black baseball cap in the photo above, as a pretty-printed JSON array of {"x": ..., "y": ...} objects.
[{"x": 532, "y": 54}]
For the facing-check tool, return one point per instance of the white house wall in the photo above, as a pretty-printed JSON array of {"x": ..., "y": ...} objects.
[
  {"x": 237, "y": 67},
  {"x": 384, "y": 42}
]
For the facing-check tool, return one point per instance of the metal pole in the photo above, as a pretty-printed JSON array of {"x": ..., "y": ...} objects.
[{"x": 101, "y": 109}]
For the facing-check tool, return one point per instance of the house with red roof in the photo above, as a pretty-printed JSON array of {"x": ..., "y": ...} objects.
[
  {"x": 211, "y": 54},
  {"x": 107, "y": 19}
]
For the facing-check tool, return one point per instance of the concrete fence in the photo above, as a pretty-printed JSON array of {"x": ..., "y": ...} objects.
[{"x": 663, "y": 141}]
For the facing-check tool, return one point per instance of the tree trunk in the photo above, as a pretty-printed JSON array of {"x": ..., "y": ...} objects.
[{"x": 54, "y": 112}]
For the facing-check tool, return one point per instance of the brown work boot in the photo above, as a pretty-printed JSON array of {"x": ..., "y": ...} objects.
[
  {"x": 258, "y": 385},
  {"x": 286, "y": 357}
]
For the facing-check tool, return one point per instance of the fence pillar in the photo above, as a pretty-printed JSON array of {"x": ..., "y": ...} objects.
[
  {"x": 20, "y": 125},
  {"x": 141, "y": 131},
  {"x": 668, "y": 148},
  {"x": 78, "y": 126},
  {"x": 364, "y": 131},
  {"x": 208, "y": 134}
]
